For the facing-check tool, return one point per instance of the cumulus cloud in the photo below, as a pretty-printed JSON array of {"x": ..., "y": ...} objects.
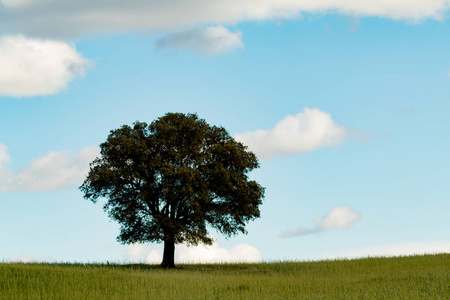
[
  {"x": 195, "y": 254},
  {"x": 53, "y": 171},
  {"x": 337, "y": 218},
  {"x": 138, "y": 253},
  {"x": 304, "y": 132},
  {"x": 401, "y": 249},
  {"x": 72, "y": 18},
  {"x": 216, "y": 254},
  {"x": 210, "y": 40},
  {"x": 30, "y": 67}
]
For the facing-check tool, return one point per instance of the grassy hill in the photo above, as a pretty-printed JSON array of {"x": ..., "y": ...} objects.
[{"x": 413, "y": 277}]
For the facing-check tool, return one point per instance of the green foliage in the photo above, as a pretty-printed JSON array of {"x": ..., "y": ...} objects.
[
  {"x": 417, "y": 277},
  {"x": 168, "y": 180}
]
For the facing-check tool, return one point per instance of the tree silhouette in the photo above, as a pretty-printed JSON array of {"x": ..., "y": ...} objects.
[{"x": 166, "y": 181}]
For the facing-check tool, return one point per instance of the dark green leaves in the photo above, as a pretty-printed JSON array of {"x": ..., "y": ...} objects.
[{"x": 172, "y": 178}]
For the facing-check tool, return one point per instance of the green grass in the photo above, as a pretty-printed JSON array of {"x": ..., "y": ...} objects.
[{"x": 414, "y": 277}]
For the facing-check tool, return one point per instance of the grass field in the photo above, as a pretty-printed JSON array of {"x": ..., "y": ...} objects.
[{"x": 414, "y": 277}]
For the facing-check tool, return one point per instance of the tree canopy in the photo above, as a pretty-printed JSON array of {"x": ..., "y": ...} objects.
[{"x": 168, "y": 180}]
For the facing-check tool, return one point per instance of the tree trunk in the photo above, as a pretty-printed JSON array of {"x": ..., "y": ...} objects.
[{"x": 169, "y": 253}]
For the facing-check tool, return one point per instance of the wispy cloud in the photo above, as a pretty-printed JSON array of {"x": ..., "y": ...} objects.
[
  {"x": 337, "y": 218},
  {"x": 31, "y": 67},
  {"x": 53, "y": 171},
  {"x": 299, "y": 231},
  {"x": 210, "y": 40},
  {"x": 304, "y": 132}
]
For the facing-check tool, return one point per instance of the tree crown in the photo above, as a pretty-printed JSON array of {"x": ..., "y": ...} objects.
[{"x": 172, "y": 178}]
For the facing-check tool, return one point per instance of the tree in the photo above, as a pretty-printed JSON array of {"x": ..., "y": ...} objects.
[{"x": 166, "y": 181}]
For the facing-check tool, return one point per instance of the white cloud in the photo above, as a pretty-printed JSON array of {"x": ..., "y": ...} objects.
[
  {"x": 304, "y": 132},
  {"x": 401, "y": 249},
  {"x": 215, "y": 254},
  {"x": 338, "y": 218},
  {"x": 71, "y": 18},
  {"x": 195, "y": 254},
  {"x": 210, "y": 40},
  {"x": 341, "y": 217},
  {"x": 53, "y": 171},
  {"x": 26, "y": 259},
  {"x": 138, "y": 253},
  {"x": 30, "y": 67}
]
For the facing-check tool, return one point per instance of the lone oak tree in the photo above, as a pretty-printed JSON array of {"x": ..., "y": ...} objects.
[{"x": 165, "y": 182}]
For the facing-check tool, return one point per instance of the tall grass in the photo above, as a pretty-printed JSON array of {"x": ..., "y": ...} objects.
[{"x": 415, "y": 277}]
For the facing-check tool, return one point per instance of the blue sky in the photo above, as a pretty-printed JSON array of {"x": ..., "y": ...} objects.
[{"x": 346, "y": 105}]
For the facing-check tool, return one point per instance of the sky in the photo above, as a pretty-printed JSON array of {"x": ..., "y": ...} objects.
[{"x": 344, "y": 102}]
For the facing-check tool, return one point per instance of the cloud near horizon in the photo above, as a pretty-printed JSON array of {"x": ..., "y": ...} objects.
[
  {"x": 304, "y": 132},
  {"x": 138, "y": 253},
  {"x": 195, "y": 254},
  {"x": 338, "y": 218},
  {"x": 76, "y": 18},
  {"x": 53, "y": 171},
  {"x": 33, "y": 67},
  {"x": 400, "y": 249}
]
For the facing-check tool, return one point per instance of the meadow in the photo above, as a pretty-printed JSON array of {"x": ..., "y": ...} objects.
[{"x": 412, "y": 277}]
